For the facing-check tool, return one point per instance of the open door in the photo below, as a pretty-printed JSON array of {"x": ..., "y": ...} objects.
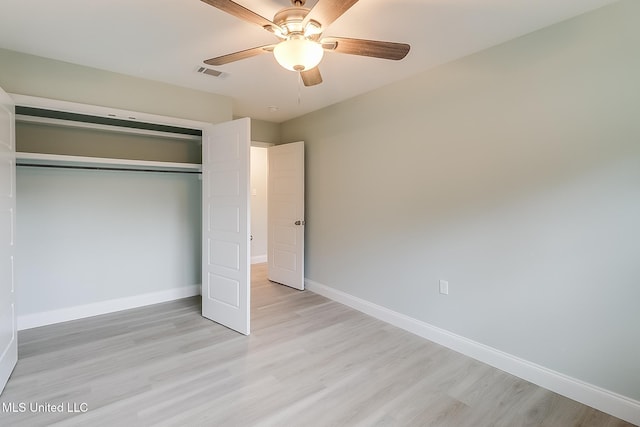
[
  {"x": 225, "y": 224},
  {"x": 285, "y": 214},
  {"x": 8, "y": 327}
]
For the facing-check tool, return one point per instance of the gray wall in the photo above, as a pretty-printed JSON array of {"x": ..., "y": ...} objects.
[
  {"x": 515, "y": 175},
  {"x": 85, "y": 237},
  {"x": 263, "y": 131}
]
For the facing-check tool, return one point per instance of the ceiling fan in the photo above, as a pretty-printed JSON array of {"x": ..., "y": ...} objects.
[{"x": 301, "y": 45}]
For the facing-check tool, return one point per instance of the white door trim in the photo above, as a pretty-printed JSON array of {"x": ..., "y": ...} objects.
[
  {"x": 8, "y": 325},
  {"x": 96, "y": 110}
]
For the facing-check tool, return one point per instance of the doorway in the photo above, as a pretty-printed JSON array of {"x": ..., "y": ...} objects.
[
  {"x": 277, "y": 211},
  {"x": 258, "y": 196}
]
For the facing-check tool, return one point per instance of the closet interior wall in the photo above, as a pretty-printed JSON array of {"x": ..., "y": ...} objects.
[{"x": 95, "y": 240}]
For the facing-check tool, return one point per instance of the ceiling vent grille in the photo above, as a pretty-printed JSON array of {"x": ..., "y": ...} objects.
[{"x": 209, "y": 72}]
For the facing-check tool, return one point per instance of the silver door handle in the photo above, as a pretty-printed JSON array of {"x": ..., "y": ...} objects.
[{"x": 298, "y": 222}]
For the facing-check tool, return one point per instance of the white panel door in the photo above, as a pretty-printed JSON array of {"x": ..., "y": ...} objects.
[
  {"x": 225, "y": 224},
  {"x": 8, "y": 329},
  {"x": 285, "y": 214}
]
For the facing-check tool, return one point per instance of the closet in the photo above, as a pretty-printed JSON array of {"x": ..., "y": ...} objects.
[
  {"x": 108, "y": 209},
  {"x": 110, "y": 214}
]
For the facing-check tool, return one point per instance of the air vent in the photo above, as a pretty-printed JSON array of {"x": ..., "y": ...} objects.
[{"x": 209, "y": 71}]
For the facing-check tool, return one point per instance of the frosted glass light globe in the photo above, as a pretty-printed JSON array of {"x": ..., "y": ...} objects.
[{"x": 298, "y": 54}]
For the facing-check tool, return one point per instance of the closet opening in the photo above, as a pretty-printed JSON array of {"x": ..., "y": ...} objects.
[{"x": 109, "y": 214}]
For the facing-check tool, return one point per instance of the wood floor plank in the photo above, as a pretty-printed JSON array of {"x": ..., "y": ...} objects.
[{"x": 308, "y": 362}]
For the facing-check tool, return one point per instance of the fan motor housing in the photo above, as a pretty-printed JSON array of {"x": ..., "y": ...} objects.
[{"x": 291, "y": 19}]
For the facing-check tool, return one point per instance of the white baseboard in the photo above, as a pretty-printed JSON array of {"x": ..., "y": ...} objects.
[
  {"x": 34, "y": 320},
  {"x": 604, "y": 400},
  {"x": 258, "y": 259}
]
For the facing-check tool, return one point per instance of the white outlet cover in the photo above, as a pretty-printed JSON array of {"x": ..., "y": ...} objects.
[{"x": 444, "y": 287}]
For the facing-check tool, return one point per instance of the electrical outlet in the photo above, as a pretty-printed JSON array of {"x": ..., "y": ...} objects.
[{"x": 444, "y": 287}]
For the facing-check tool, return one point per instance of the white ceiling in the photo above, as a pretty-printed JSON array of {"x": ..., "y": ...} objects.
[{"x": 167, "y": 40}]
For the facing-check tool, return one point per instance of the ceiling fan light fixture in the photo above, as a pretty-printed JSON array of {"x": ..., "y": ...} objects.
[{"x": 298, "y": 54}]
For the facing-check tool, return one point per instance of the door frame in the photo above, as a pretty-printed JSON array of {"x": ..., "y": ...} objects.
[
  {"x": 9, "y": 348},
  {"x": 114, "y": 113}
]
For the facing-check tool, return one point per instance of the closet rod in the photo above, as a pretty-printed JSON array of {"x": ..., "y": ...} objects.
[{"x": 109, "y": 168}]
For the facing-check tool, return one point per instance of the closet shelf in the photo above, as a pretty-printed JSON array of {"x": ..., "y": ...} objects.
[{"x": 40, "y": 159}]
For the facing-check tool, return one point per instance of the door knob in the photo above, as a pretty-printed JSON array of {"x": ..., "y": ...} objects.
[{"x": 298, "y": 222}]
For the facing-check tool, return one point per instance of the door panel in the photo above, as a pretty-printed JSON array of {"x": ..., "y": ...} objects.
[
  {"x": 8, "y": 329},
  {"x": 285, "y": 212},
  {"x": 225, "y": 228}
]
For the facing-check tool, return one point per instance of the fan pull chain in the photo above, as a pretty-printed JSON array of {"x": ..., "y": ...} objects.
[{"x": 299, "y": 87}]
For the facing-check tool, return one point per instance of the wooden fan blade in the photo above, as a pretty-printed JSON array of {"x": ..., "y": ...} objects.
[
  {"x": 327, "y": 11},
  {"x": 241, "y": 12},
  {"x": 374, "y": 48},
  {"x": 311, "y": 77},
  {"x": 237, "y": 56}
]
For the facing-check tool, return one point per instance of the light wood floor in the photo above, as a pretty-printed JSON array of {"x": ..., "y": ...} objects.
[{"x": 308, "y": 362}]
